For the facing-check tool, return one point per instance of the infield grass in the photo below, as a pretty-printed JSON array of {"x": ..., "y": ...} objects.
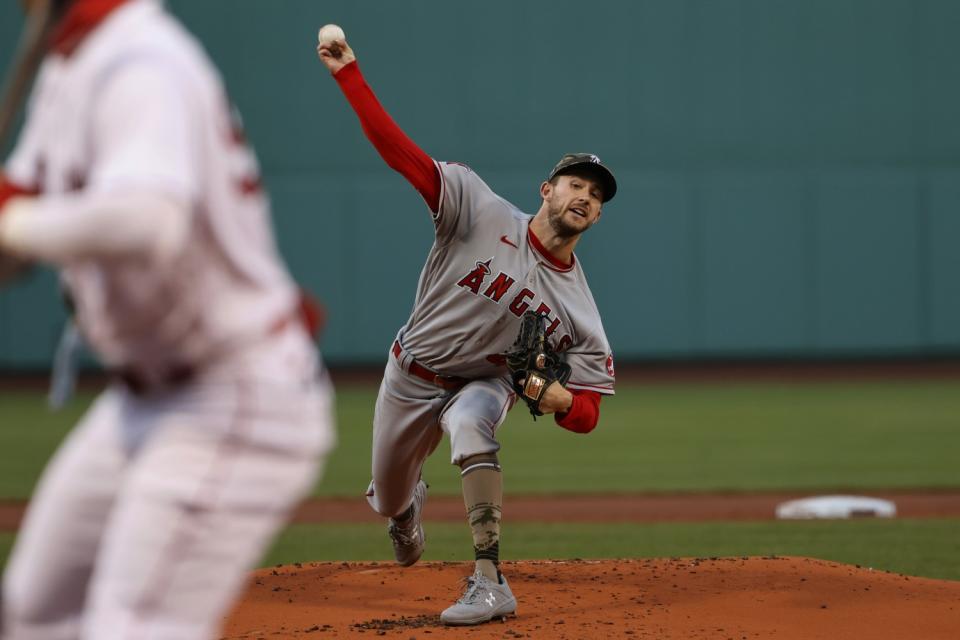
[{"x": 652, "y": 438}]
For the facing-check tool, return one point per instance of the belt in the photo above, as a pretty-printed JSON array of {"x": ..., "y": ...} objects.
[
  {"x": 140, "y": 382},
  {"x": 415, "y": 368}
]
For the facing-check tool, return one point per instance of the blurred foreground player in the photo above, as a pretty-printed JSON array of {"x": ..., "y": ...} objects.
[{"x": 132, "y": 176}]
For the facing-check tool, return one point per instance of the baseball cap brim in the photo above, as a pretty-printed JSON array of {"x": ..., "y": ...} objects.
[{"x": 589, "y": 165}]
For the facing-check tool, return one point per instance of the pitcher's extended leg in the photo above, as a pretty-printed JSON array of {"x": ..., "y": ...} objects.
[{"x": 483, "y": 498}]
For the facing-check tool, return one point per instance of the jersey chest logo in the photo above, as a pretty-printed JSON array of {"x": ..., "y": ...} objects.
[{"x": 475, "y": 282}]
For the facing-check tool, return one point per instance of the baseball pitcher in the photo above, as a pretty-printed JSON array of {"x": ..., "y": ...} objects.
[
  {"x": 131, "y": 174},
  {"x": 503, "y": 311}
]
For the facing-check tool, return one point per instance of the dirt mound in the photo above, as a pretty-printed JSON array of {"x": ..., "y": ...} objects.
[{"x": 684, "y": 598}]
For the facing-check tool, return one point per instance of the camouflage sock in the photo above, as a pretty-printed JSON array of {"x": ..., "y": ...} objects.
[{"x": 483, "y": 498}]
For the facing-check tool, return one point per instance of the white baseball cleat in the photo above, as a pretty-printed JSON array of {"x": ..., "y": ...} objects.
[
  {"x": 408, "y": 539},
  {"x": 483, "y": 601}
]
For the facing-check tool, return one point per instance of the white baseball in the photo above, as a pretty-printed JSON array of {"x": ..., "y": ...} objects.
[{"x": 330, "y": 33}]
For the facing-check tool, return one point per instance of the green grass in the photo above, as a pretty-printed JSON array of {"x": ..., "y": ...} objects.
[
  {"x": 29, "y": 433},
  {"x": 6, "y": 542},
  {"x": 928, "y": 548},
  {"x": 741, "y": 437},
  {"x": 749, "y": 437},
  {"x": 705, "y": 437}
]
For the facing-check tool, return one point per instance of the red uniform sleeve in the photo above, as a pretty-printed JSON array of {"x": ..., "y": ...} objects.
[
  {"x": 9, "y": 190},
  {"x": 393, "y": 145},
  {"x": 583, "y": 414}
]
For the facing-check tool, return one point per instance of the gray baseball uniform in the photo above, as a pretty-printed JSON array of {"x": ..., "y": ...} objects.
[{"x": 484, "y": 270}]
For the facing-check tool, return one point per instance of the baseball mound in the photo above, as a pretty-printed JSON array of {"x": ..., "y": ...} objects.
[{"x": 684, "y": 598}]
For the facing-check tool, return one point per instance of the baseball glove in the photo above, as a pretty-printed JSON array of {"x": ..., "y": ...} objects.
[{"x": 533, "y": 363}]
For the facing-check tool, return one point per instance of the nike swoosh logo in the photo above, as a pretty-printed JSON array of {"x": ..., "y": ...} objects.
[{"x": 506, "y": 240}]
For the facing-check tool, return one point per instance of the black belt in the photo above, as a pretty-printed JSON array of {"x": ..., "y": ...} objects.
[{"x": 140, "y": 383}]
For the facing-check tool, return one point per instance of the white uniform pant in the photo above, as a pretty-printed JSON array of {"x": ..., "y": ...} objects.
[
  {"x": 409, "y": 421},
  {"x": 150, "y": 515}
]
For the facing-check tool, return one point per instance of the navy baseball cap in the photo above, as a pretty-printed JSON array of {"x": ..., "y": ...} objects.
[{"x": 591, "y": 165}]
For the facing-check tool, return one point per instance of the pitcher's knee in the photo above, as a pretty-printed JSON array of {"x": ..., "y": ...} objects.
[
  {"x": 388, "y": 502},
  {"x": 469, "y": 438},
  {"x": 469, "y": 435}
]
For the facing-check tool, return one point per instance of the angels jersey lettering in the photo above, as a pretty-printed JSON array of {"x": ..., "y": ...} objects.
[{"x": 484, "y": 271}]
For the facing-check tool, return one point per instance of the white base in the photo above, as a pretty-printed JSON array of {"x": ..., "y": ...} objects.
[{"x": 836, "y": 507}]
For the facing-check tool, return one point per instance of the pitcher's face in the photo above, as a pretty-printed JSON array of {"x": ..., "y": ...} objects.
[{"x": 573, "y": 204}]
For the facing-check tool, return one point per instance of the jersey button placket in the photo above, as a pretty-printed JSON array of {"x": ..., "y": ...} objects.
[{"x": 532, "y": 272}]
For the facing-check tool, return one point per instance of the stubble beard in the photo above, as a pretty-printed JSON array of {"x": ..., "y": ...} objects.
[{"x": 559, "y": 225}]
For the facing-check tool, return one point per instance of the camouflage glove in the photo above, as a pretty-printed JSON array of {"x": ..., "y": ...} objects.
[{"x": 533, "y": 363}]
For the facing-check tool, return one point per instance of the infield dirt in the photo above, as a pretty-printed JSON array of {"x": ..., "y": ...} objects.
[
  {"x": 689, "y": 507},
  {"x": 786, "y": 598}
]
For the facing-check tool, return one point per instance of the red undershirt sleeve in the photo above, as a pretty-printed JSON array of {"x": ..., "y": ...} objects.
[
  {"x": 583, "y": 414},
  {"x": 9, "y": 190},
  {"x": 399, "y": 151}
]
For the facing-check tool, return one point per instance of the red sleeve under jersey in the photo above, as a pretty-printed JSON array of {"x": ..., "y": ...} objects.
[
  {"x": 583, "y": 414},
  {"x": 393, "y": 145},
  {"x": 9, "y": 190}
]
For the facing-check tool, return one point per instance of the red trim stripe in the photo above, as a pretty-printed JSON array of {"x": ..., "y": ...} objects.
[
  {"x": 250, "y": 185},
  {"x": 554, "y": 263},
  {"x": 81, "y": 19},
  {"x": 443, "y": 189},
  {"x": 511, "y": 399}
]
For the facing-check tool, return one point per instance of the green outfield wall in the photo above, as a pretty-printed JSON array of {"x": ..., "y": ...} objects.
[{"x": 789, "y": 170}]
